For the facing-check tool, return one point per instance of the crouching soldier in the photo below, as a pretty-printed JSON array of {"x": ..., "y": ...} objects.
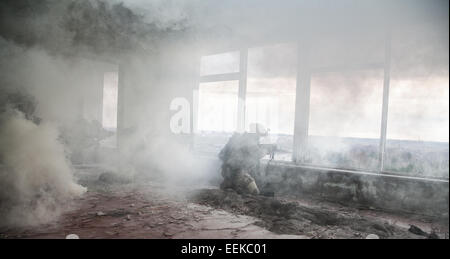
[{"x": 240, "y": 161}]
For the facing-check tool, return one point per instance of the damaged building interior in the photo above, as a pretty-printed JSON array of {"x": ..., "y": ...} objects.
[{"x": 202, "y": 119}]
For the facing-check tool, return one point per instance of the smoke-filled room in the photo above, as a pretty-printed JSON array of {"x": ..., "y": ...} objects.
[{"x": 226, "y": 125}]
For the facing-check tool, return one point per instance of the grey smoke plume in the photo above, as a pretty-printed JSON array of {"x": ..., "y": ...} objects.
[
  {"x": 36, "y": 180},
  {"x": 53, "y": 52}
]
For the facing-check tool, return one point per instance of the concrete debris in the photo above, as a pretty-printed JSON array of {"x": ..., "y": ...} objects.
[
  {"x": 101, "y": 213},
  {"x": 372, "y": 236},
  {"x": 72, "y": 236},
  {"x": 418, "y": 231},
  {"x": 289, "y": 217},
  {"x": 227, "y": 215},
  {"x": 118, "y": 213}
]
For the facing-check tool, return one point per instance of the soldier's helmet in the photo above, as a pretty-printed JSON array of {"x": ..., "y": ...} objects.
[{"x": 259, "y": 129}]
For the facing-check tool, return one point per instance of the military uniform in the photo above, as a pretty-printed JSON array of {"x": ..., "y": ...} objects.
[{"x": 240, "y": 158}]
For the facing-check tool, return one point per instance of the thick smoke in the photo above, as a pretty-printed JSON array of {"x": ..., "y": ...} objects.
[
  {"x": 58, "y": 50},
  {"x": 53, "y": 58},
  {"x": 36, "y": 180},
  {"x": 47, "y": 68}
]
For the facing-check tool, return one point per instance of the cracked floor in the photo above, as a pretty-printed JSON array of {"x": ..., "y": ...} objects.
[
  {"x": 152, "y": 210},
  {"x": 143, "y": 212}
]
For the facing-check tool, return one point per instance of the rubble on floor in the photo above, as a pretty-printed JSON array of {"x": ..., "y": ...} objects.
[
  {"x": 284, "y": 216},
  {"x": 155, "y": 210},
  {"x": 128, "y": 211}
]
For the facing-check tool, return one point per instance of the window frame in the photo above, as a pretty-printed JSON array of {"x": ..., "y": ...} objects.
[{"x": 302, "y": 101}]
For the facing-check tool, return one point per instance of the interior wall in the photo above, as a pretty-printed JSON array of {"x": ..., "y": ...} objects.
[{"x": 365, "y": 190}]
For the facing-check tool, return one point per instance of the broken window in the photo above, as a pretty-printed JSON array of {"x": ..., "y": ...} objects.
[
  {"x": 417, "y": 135},
  {"x": 217, "y": 111},
  {"x": 418, "y": 116},
  {"x": 345, "y": 119},
  {"x": 217, "y": 115},
  {"x": 270, "y": 97}
]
